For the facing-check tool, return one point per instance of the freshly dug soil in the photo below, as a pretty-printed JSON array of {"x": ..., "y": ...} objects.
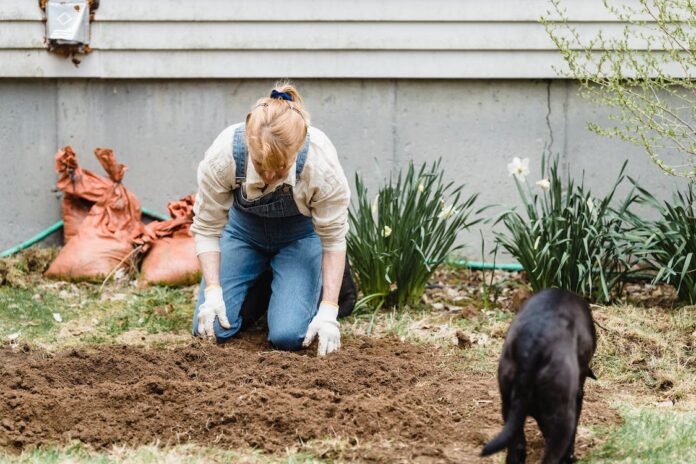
[{"x": 389, "y": 401}]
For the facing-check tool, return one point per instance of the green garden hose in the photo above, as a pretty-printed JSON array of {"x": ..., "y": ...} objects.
[
  {"x": 155, "y": 215},
  {"x": 48, "y": 231},
  {"x": 36, "y": 238},
  {"x": 477, "y": 265},
  {"x": 481, "y": 265}
]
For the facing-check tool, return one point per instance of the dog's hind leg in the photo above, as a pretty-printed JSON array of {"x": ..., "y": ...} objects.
[
  {"x": 558, "y": 428},
  {"x": 569, "y": 456}
]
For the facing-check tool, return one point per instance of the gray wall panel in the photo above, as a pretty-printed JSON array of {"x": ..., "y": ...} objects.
[
  {"x": 161, "y": 129},
  {"x": 27, "y": 139}
]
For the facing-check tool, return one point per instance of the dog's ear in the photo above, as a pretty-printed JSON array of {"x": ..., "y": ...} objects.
[{"x": 591, "y": 374}]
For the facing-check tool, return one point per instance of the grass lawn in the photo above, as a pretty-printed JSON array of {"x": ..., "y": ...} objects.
[{"x": 646, "y": 357}]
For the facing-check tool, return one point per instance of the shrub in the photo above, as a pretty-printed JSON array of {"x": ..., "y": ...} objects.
[
  {"x": 644, "y": 75},
  {"x": 397, "y": 240},
  {"x": 569, "y": 239},
  {"x": 669, "y": 243}
]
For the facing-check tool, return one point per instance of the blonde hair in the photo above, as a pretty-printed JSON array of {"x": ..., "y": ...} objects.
[{"x": 276, "y": 128}]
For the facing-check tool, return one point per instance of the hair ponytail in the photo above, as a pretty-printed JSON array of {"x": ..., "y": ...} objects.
[
  {"x": 287, "y": 88},
  {"x": 296, "y": 102},
  {"x": 276, "y": 127}
]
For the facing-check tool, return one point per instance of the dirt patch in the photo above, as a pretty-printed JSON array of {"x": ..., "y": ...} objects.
[
  {"x": 646, "y": 294},
  {"x": 385, "y": 400}
]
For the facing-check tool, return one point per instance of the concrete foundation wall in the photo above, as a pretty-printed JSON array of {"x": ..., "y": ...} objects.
[{"x": 161, "y": 128}]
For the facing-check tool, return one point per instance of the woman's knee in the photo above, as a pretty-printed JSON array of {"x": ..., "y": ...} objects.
[
  {"x": 222, "y": 335},
  {"x": 287, "y": 338}
]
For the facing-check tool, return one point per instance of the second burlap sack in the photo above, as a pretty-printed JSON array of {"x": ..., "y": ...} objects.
[{"x": 170, "y": 257}]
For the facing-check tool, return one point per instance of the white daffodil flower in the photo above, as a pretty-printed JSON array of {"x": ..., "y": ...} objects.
[
  {"x": 590, "y": 204},
  {"x": 519, "y": 167},
  {"x": 386, "y": 232},
  {"x": 544, "y": 184},
  {"x": 447, "y": 212},
  {"x": 375, "y": 204}
]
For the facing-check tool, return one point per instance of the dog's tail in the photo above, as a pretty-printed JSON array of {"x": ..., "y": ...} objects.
[{"x": 519, "y": 402}]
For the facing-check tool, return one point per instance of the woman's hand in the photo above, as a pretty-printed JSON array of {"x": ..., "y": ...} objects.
[
  {"x": 325, "y": 325},
  {"x": 212, "y": 307}
]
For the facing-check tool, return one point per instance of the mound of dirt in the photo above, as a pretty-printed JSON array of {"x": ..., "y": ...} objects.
[{"x": 389, "y": 401}]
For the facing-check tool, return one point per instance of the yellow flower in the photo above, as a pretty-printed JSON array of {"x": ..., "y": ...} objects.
[
  {"x": 421, "y": 187},
  {"x": 386, "y": 232}
]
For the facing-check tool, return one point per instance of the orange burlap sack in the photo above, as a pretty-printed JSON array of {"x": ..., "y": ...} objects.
[
  {"x": 171, "y": 252},
  {"x": 105, "y": 239},
  {"x": 81, "y": 189}
]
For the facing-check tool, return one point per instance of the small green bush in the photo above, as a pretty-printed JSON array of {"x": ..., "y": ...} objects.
[
  {"x": 569, "y": 238},
  {"x": 397, "y": 240},
  {"x": 669, "y": 243}
]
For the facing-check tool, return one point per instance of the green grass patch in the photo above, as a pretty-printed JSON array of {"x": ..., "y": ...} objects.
[
  {"x": 649, "y": 347},
  {"x": 156, "y": 309},
  {"x": 90, "y": 317},
  {"x": 417, "y": 324},
  {"x": 30, "y": 313},
  {"x": 77, "y": 453},
  {"x": 486, "y": 333},
  {"x": 651, "y": 437}
]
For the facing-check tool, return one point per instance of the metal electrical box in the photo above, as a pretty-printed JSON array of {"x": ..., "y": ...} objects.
[{"x": 67, "y": 21}]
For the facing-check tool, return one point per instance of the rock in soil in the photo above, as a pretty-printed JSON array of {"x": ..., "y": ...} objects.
[{"x": 463, "y": 340}]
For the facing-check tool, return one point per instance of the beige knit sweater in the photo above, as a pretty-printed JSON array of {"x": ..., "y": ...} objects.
[{"x": 321, "y": 192}]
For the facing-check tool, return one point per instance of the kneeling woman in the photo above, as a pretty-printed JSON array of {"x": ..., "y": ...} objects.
[{"x": 272, "y": 193}]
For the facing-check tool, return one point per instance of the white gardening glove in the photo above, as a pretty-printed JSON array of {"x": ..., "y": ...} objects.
[
  {"x": 213, "y": 306},
  {"x": 324, "y": 324}
]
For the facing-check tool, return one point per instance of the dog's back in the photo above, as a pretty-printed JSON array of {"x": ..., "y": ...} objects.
[{"x": 542, "y": 370}]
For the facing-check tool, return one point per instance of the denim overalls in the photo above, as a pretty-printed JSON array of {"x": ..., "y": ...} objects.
[{"x": 269, "y": 231}]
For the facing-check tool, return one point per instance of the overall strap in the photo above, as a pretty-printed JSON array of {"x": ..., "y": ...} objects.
[
  {"x": 239, "y": 153},
  {"x": 302, "y": 158}
]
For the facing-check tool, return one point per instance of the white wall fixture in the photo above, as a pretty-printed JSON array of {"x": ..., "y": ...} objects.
[{"x": 67, "y": 22}]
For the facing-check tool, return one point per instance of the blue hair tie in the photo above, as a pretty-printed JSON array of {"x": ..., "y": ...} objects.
[{"x": 281, "y": 95}]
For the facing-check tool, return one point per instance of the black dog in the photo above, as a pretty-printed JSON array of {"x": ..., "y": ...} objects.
[{"x": 542, "y": 371}]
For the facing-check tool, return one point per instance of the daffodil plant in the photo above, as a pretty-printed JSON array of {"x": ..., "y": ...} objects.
[
  {"x": 400, "y": 236},
  {"x": 568, "y": 238},
  {"x": 668, "y": 243}
]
